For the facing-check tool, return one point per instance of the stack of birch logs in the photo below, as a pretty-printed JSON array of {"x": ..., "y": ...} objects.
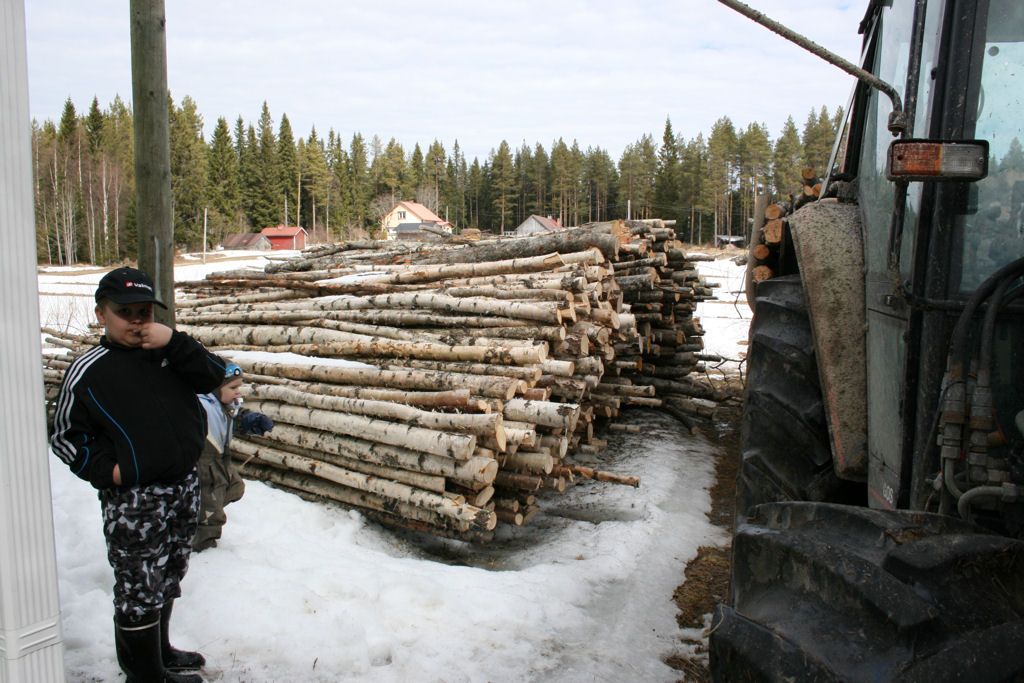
[
  {"x": 771, "y": 247},
  {"x": 661, "y": 287},
  {"x": 442, "y": 388}
]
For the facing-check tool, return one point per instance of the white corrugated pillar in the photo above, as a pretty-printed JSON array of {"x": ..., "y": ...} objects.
[{"x": 30, "y": 635}]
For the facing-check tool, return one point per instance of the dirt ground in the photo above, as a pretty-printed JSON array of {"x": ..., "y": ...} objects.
[{"x": 706, "y": 580}]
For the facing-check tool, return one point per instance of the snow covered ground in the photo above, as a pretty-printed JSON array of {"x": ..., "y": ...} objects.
[{"x": 298, "y": 591}]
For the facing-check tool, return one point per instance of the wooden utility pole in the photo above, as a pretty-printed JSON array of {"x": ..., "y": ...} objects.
[{"x": 153, "y": 150}]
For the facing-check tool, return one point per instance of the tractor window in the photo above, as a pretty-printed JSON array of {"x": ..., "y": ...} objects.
[
  {"x": 891, "y": 65},
  {"x": 994, "y": 228}
]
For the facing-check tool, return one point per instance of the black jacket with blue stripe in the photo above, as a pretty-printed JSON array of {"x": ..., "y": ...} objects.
[{"x": 136, "y": 408}]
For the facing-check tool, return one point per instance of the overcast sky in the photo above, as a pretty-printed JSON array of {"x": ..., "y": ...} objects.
[{"x": 602, "y": 72}]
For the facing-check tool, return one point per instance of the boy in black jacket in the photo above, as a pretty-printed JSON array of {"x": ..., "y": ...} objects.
[{"x": 128, "y": 421}]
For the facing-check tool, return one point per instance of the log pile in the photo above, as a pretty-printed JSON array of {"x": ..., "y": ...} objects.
[
  {"x": 771, "y": 247},
  {"x": 442, "y": 388}
]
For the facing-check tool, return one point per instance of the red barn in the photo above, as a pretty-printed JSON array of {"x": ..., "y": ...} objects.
[{"x": 283, "y": 237}]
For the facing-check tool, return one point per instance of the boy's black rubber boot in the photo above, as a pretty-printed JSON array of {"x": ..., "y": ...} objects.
[
  {"x": 173, "y": 658},
  {"x": 138, "y": 652}
]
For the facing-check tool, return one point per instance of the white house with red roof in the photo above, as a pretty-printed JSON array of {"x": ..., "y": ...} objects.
[
  {"x": 285, "y": 237},
  {"x": 538, "y": 224},
  {"x": 406, "y": 217}
]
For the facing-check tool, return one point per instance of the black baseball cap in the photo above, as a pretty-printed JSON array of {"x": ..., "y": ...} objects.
[{"x": 127, "y": 286}]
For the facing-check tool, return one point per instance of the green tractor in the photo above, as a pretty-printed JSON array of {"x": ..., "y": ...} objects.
[{"x": 880, "y": 499}]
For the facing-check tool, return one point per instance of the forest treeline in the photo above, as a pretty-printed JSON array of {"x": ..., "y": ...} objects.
[{"x": 257, "y": 174}]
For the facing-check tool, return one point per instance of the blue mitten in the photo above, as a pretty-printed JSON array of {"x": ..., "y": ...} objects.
[{"x": 256, "y": 423}]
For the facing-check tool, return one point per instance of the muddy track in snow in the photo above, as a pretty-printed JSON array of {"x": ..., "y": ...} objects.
[{"x": 706, "y": 579}]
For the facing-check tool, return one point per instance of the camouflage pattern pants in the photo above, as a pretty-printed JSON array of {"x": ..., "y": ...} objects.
[{"x": 149, "y": 532}]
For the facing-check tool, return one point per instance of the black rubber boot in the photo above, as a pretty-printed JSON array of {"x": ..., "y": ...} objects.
[
  {"x": 137, "y": 641},
  {"x": 174, "y": 659}
]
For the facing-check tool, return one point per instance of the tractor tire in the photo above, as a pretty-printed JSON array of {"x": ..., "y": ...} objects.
[
  {"x": 784, "y": 436},
  {"x": 829, "y": 592}
]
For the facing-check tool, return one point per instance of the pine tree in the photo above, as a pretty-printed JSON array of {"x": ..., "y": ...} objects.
[
  {"x": 787, "y": 161},
  {"x": 577, "y": 174},
  {"x": 288, "y": 166},
  {"x": 561, "y": 180},
  {"x": 453, "y": 189},
  {"x": 239, "y": 138},
  {"x": 600, "y": 183},
  {"x": 316, "y": 181},
  {"x": 434, "y": 169},
  {"x": 120, "y": 189},
  {"x": 266, "y": 174},
  {"x": 693, "y": 189},
  {"x": 722, "y": 169},
  {"x": 637, "y": 167},
  {"x": 222, "y": 170},
  {"x": 338, "y": 213},
  {"x": 94, "y": 127},
  {"x": 522, "y": 163},
  {"x": 666, "y": 177},
  {"x": 393, "y": 170},
  {"x": 417, "y": 170},
  {"x": 755, "y": 151},
  {"x": 189, "y": 174},
  {"x": 64, "y": 186},
  {"x": 539, "y": 174},
  {"x": 376, "y": 161},
  {"x": 362, "y": 188},
  {"x": 503, "y": 184},
  {"x": 819, "y": 134},
  {"x": 475, "y": 194},
  {"x": 94, "y": 168},
  {"x": 248, "y": 174},
  {"x": 1014, "y": 158}
]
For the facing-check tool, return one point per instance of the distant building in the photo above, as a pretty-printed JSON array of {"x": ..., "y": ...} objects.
[
  {"x": 537, "y": 224},
  {"x": 723, "y": 241},
  {"x": 247, "y": 240},
  {"x": 414, "y": 231},
  {"x": 411, "y": 213},
  {"x": 284, "y": 237}
]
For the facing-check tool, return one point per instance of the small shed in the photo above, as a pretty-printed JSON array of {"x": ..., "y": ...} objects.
[
  {"x": 536, "y": 224},
  {"x": 247, "y": 240},
  {"x": 285, "y": 237}
]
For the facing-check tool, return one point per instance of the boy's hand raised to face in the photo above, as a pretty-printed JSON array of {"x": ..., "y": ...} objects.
[{"x": 155, "y": 335}]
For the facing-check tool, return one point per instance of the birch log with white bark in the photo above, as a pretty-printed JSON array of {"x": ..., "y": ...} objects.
[
  {"x": 417, "y": 273},
  {"x": 435, "y": 302},
  {"x": 346, "y": 344},
  {"x": 528, "y": 373},
  {"x": 475, "y": 472},
  {"x": 458, "y": 446},
  {"x": 364, "y": 482},
  {"x": 453, "y": 399},
  {"x": 394, "y": 379},
  {"x": 545, "y": 413},
  {"x": 470, "y": 423},
  {"x": 420, "y": 480},
  {"x": 395, "y": 512},
  {"x": 259, "y": 297},
  {"x": 564, "y": 241}
]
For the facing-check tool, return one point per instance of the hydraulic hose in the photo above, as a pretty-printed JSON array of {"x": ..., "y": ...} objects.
[
  {"x": 957, "y": 406},
  {"x": 963, "y": 506}
]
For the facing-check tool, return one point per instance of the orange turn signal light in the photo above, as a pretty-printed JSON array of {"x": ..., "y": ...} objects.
[{"x": 937, "y": 160}]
